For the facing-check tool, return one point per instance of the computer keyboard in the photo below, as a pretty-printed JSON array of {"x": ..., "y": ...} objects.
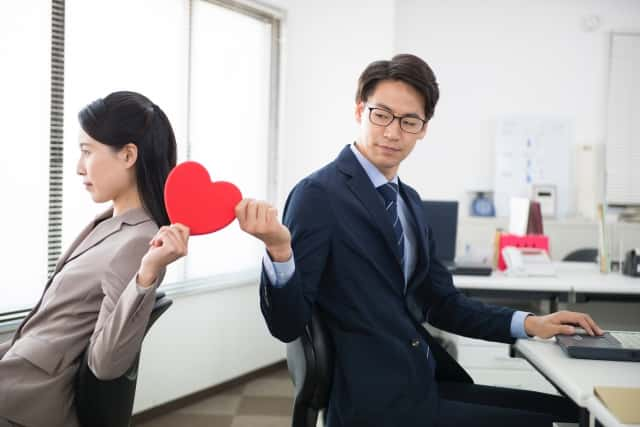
[{"x": 628, "y": 339}]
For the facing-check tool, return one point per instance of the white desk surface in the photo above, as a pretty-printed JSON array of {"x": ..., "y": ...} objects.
[
  {"x": 611, "y": 283},
  {"x": 577, "y": 277},
  {"x": 577, "y": 377}
]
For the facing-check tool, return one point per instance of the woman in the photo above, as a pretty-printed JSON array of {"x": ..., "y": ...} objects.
[{"x": 102, "y": 291}]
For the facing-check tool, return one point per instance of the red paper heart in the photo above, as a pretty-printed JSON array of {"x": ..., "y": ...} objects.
[{"x": 193, "y": 200}]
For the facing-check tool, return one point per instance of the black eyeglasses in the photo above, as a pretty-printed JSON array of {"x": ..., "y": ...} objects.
[{"x": 382, "y": 117}]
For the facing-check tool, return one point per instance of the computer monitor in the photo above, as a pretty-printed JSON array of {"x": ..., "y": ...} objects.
[{"x": 442, "y": 217}]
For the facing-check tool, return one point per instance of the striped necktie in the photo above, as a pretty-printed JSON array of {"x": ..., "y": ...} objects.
[{"x": 389, "y": 192}]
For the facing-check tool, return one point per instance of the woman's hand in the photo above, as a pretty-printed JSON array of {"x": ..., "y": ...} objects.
[
  {"x": 168, "y": 245},
  {"x": 260, "y": 219}
]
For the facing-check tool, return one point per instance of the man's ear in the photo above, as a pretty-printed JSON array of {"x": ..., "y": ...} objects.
[
  {"x": 359, "y": 111},
  {"x": 129, "y": 153}
]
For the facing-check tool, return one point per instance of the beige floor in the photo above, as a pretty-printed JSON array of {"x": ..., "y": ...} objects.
[{"x": 262, "y": 402}]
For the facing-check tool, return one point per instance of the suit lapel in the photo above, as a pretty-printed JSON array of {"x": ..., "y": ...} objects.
[
  {"x": 362, "y": 188},
  {"x": 422, "y": 262}
]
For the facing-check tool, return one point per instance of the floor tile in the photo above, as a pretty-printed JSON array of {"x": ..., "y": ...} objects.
[
  {"x": 260, "y": 421},
  {"x": 223, "y": 404},
  {"x": 269, "y": 387},
  {"x": 252, "y": 405},
  {"x": 266, "y": 401},
  {"x": 189, "y": 420}
]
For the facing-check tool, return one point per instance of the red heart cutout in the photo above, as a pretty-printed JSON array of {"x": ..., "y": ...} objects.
[{"x": 193, "y": 200}]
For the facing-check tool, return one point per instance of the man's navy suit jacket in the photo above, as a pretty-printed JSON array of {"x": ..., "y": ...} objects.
[{"x": 347, "y": 263}]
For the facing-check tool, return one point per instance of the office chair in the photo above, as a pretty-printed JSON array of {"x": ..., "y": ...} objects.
[
  {"x": 582, "y": 255},
  {"x": 110, "y": 403},
  {"x": 310, "y": 363}
]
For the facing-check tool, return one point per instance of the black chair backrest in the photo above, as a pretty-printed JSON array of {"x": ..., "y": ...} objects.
[
  {"x": 582, "y": 255},
  {"x": 310, "y": 363},
  {"x": 110, "y": 403}
]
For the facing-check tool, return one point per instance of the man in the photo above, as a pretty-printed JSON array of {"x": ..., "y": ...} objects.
[{"x": 359, "y": 249}]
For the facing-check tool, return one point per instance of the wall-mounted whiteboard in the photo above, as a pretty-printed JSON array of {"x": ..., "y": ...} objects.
[
  {"x": 623, "y": 120},
  {"x": 532, "y": 150}
]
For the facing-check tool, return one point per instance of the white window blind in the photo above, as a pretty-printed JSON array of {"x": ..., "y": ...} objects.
[{"x": 25, "y": 42}]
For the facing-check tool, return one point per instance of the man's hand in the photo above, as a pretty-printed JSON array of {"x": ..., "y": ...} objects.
[
  {"x": 260, "y": 220},
  {"x": 561, "y": 322},
  {"x": 169, "y": 244}
]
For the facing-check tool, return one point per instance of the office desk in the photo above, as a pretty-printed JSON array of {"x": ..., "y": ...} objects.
[
  {"x": 574, "y": 282},
  {"x": 576, "y": 377},
  {"x": 588, "y": 286},
  {"x": 501, "y": 285},
  {"x": 603, "y": 415}
]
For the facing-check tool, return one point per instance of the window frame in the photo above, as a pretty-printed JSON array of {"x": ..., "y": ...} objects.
[{"x": 273, "y": 16}]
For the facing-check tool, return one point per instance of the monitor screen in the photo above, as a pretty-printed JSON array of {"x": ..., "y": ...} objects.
[{"x": 442, "y": 217}]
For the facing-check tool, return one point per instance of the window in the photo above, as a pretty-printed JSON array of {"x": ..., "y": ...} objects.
[
  {"x": 211, "y": 65},
  {"x": 120, "y": 45},
  {"x": 25, "y": 41},
  {"x": 229, "y": 130}
]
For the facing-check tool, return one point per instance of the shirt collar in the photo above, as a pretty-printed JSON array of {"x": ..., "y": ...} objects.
[{"x": 374, "y": 174}]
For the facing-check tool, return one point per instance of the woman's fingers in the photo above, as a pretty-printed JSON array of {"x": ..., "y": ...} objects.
[
  {"x": 182, "y": 229},
  {"x": 174, "y": 245},
  {"x": 171, "y": 240},
  {"x": 157, "y": 239}
]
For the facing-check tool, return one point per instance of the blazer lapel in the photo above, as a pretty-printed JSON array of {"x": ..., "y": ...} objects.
[
  {"x": 101, "y": 231},
  {"x": 422, "y": 262},
  {"x": 78, "y": 240},
  {"x": 361, "y": 186},
  {"x": 106, "y": 225}
]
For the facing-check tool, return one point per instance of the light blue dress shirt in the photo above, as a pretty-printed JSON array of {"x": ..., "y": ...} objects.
[{"x": 279, "y": 273}]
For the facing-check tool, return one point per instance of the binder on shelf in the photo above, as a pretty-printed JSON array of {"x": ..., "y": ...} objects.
[{"x": 534, "y": 223}]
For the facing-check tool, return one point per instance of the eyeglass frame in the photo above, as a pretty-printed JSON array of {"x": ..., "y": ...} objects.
[{"x": 371, "y": 108}]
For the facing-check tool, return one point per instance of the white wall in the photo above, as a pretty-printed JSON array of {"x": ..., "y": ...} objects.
[
  {"x": 498, "y": 57},
  {"x": 202, "y": 340},
  {"x": 209, "y": 338},
  {"x": 327, "y": 45}
]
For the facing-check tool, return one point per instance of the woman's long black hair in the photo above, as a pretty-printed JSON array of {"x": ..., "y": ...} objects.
[{"x": 129, "y": 117}]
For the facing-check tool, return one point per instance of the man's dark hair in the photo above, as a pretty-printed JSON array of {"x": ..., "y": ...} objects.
[{"x": 406, "y": 68}]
